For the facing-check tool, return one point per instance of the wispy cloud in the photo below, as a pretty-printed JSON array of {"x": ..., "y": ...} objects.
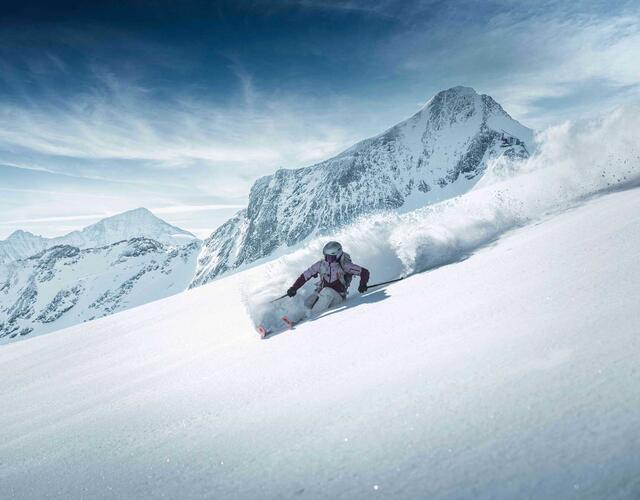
[
  {"x": 177, "y": 209},
  {"x": 124, "y": 128},
  {"x": 55, "y": 219},
  {"x": 113, "y": 119},
  {"x": 94, "y": 216},
  {"x": 524, "y": 55}
]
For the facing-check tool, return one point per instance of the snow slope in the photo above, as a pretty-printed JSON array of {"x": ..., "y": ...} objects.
[
  {"x": 124, "y": 226},
  {"x": 510, "y": 374}
]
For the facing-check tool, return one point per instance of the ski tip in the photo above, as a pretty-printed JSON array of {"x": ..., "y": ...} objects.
[
  {"x": 262, "y": 331},
  {"x": 287, "y": 322}
]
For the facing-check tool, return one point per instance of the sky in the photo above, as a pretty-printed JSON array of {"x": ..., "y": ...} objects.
[{"x": 180, "y": 106}]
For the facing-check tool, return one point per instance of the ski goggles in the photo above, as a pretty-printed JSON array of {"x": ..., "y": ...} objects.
[{"x": 331, "y": 258}]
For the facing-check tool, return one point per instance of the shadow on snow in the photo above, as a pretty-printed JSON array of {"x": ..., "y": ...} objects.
[{"x": 367, "y": 298}]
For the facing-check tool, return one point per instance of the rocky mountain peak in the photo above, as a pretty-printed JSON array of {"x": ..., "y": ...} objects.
[
  {"x": 438, "y": 153},
  {"x": 20, "y": 234},
  {"x": 136, "y": 223}
]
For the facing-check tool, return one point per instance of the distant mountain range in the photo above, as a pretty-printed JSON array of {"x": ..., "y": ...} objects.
[
  {"x": 135, "y": 257},
  {"x": 65, "y": 285},
  {"x": 438, "y": 153},
  {"x": 124, "y": 226},
  {"x": 117, "y": 263}
]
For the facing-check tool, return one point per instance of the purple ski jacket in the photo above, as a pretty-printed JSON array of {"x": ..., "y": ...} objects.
[{"x": 331, "y": 279}]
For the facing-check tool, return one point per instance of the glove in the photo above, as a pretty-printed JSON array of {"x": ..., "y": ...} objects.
[
  {"x": 362, "y": 288},
  {"x": 291, "y": 292}
]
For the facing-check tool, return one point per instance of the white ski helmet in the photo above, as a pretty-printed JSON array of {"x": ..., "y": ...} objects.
[{"x": 332, "y": 248}]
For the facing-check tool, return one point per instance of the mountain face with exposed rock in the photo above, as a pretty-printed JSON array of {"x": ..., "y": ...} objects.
[
  {"x": 438, "y": 153},
  {"x": 65, "y": 285}
]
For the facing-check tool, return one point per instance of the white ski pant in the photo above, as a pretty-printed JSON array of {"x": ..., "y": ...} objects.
[
  {"x": 319, "y": 302},
  {"x": 323, "y": 300}
]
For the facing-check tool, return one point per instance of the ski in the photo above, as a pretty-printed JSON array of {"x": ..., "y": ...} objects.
[
  {"x": 288, "y": 322},
  {"x": 262, "y": 331}
]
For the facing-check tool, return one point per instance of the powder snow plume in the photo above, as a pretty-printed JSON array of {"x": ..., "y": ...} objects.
[{"x": 573, "y": 161}]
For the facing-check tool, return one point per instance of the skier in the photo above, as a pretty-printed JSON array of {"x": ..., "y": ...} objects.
[{"x": 336, "y": 271}]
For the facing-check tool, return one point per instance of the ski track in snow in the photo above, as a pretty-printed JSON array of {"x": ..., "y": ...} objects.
[{"x": 512, "y": 374}]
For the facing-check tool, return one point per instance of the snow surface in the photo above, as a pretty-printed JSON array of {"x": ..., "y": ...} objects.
[{"x": 510, "y": 374}]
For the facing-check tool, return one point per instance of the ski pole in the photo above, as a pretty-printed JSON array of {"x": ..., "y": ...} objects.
[
  {"x": 385, "y": 282},
  {"x": 285, "y": 295}
]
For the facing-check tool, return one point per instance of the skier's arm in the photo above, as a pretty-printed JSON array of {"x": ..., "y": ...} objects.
[
  {"x": 363, "y": 272},
  {"x": 312, "y": 272}
]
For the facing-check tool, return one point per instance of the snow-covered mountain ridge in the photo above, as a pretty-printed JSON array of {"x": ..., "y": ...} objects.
[
  {"x": 119, "y": 262},
  {"x": 65, "y": 285},
  {"x": 124, "y": 226},
  {"x": 438, "y": 153}
]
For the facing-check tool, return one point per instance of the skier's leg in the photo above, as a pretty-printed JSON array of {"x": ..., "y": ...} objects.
[
  {"x": 310, "y": 301},
  {"x": 301, "y": 313},
  {"x": 327, "y": 298}
]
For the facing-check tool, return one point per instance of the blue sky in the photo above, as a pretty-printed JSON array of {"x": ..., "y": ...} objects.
[{"x": 180, "y": 106}]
